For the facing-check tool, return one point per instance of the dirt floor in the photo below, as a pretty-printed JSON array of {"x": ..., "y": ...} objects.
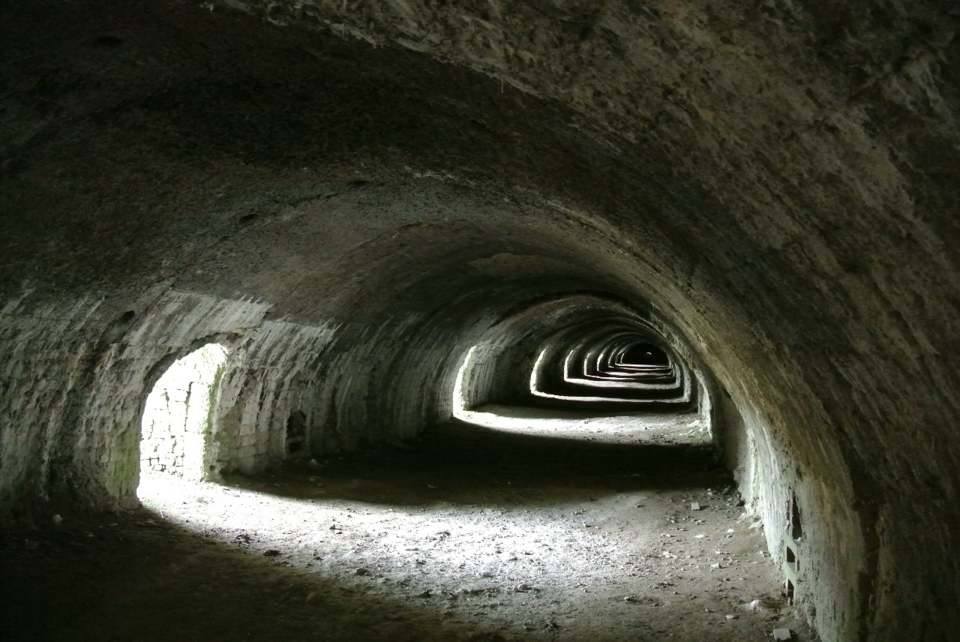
[{"x": 474, "y": 534}]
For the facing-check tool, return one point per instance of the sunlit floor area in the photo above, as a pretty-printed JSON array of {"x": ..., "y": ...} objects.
[
  {"x": 588, "y": 425},
  {"x": 474, "y": 534}
]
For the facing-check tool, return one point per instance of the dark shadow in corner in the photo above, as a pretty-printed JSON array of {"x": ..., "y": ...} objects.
[{"x": 138, "y": 577}]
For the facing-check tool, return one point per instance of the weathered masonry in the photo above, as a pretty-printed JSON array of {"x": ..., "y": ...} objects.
[{"x": 377, "y": 214}]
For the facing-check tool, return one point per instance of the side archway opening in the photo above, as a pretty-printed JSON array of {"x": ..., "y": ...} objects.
[{"x": 177, "y": 422}]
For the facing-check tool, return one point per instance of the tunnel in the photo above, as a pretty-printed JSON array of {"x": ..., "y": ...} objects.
[{"x": 479, "y": 320}]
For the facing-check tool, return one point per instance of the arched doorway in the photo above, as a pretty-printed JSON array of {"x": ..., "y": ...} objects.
[{"x": 177, "y": 417}]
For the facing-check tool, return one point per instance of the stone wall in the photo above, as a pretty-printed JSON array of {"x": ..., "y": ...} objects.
[
  {"x": 775, "y": 180},
  {"x": 73, "y": 426},
  {"x": 273, "y": 375},
  {"x": 177, "y": 416}
]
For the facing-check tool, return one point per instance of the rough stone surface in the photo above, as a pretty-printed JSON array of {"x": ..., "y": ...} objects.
[
  {"x": 177, "y": 416},
  {"x": 487, "y": 541},
  {"x": 777, "y": 181}
]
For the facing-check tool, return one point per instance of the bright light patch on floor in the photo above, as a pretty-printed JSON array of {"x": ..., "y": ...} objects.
[
  {"x": 623, "y": 428},
  {"x": 222, "y": 512}
]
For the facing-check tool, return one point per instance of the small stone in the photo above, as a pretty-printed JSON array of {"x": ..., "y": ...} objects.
[
  {"x": 694, "y": 505},
  {"x": 716, "y": 565},
  {"x": 362, "y": 571},
  {"x": 271, "y": 553},
  {"x": 57, "y": 520},
  {"x": 730, "y": 616},
  {"x": 782, "y": 634}
]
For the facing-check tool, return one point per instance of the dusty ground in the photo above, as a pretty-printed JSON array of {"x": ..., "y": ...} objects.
[
  {"x": 608, "y": 428},
  {"x": 477, "y": 534}
]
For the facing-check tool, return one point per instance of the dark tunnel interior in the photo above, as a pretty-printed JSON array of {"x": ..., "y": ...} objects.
[{"x": 479, "y": 320}]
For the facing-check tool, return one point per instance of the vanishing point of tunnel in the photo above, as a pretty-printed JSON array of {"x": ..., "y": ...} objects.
[{"x": 496, "y": 320}]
